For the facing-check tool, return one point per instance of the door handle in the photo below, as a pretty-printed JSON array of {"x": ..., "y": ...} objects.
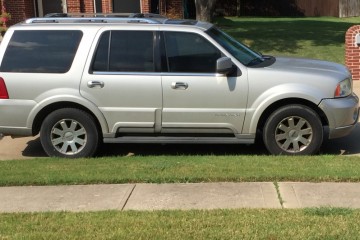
[
  {"x": 179, "y": 85},
  {"x": 92, "y": 84}
]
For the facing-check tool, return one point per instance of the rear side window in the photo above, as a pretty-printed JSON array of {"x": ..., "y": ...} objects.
[
  {"x": 41, "y": 51},
  {"x": 125, "y": 51}
]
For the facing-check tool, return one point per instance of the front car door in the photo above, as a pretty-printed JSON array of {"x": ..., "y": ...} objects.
[{"x": 195, "y": 98}]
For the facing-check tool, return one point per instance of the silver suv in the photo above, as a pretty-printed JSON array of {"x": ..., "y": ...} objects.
[{"x": 81, "y": 81}]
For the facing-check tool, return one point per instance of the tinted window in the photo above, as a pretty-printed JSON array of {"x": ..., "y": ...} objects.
[
  {"x": 189, "y": 52},
  {"x": 101, "y": 60},
  {"x": 41, "y": 51},
  {"x": 130, "y": 51}
]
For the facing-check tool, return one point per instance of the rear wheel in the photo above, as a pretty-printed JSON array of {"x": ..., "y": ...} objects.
[
  {"x": 69, "y": 133},
  {"x": 293, "y": 130}
]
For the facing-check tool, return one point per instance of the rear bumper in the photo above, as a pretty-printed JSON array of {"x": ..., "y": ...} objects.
[
  {"x": 342, "y": 114},
  {"x": 13, "y": 117}
]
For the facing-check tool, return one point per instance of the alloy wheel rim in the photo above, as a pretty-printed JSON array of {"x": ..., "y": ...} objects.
[
  {"x": 68, "y": 136},
  {"x": 293, "y": 134}
]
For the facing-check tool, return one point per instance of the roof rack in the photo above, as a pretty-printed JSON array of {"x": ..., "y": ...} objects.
[
  {"x": 91, "y": 20},
  {"x": 112, "y": 15},
  {"x": 99, "y": 18}
]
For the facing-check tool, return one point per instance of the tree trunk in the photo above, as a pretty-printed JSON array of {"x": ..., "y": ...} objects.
[
  {"x": 204, "y": 9},
  {"x": 238, "y": 8}
]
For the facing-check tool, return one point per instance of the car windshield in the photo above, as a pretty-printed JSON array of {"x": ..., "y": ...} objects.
[{"x": 241, "y": 52}]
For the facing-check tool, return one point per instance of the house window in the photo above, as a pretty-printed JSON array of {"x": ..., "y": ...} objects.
[
  {"x": 126, "y": 6},
  {"x": 189, "y": 9},
  {"x": 50, "y": 6},
  {"x": 98, "y": 6},
  {"x": 155, "y": 6}
]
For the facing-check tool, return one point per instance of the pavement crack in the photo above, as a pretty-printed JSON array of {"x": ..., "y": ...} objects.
[
  {"x": 127, "y": 199},
  {"x": 276, "y": 184}
]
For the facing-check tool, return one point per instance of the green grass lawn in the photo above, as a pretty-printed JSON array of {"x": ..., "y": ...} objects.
[
  {"x": 320, "y": 38},
  {"x": 322, "y": 223},
  {"x": 169, "y": 169}
]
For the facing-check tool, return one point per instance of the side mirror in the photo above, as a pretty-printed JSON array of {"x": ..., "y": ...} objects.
[{"x": 224, "y": 66}]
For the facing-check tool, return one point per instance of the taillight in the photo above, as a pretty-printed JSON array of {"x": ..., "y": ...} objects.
[{"x": 3, "y": 91}]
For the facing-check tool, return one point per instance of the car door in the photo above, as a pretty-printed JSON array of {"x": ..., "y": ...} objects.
[
  {"x": 195, "y": 98},
  {"x": 123, "y": 83}
]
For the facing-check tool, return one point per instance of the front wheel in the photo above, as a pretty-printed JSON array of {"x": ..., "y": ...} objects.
[
  {"x": 293, "y": 130},
  {"x": 69, "y": 133}
]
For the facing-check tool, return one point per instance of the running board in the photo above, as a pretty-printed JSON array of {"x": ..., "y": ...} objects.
[{"x": 178, "y": 140}]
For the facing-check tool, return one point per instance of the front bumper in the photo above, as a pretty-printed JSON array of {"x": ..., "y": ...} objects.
[{"x": 342, "y": 114}]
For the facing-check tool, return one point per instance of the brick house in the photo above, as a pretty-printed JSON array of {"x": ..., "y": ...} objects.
[{"x": 23, "y": 9}]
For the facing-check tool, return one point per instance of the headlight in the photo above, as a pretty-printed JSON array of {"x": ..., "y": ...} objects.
[{"x": 344, "y": 88}]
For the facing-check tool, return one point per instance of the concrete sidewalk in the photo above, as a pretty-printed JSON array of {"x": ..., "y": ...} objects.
[{"x": 178, "y": 196}]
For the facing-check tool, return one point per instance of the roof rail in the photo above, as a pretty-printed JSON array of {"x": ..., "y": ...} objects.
[
  {"x": 122, "y": 15},
  {"x": 91, "y": 20},
  {"x": 99, "y": 18}
]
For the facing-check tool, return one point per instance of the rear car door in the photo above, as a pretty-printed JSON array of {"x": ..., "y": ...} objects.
[{"x": 122, "y": 81}]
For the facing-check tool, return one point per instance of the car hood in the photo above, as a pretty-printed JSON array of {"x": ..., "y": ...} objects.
[
  {"x": 309, "y": 66},
  {"x": 301, "y": 78}
]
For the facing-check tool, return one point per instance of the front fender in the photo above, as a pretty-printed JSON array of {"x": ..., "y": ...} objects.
[{"x": 281, "y": 92}]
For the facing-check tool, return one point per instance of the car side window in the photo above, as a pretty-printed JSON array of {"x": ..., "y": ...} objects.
[
  {"x": 125, "y": 51},
  {"x": 41, "y": 51},
  {"x": 190, "y": 52}
]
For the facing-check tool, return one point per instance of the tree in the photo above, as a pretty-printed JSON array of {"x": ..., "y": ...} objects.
[
  {"x": 205, "y": 9},
  {"x": 238, "y": 7}
]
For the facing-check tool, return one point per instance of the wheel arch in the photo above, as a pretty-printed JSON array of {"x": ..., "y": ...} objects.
[
  {"x": 45, "y": 111},
  {"x": 290, "y": 101}
]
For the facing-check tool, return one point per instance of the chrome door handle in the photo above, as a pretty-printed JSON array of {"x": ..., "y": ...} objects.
[
  {"x": 92, "y": 84},
  {"x": 179, "y": 85}
]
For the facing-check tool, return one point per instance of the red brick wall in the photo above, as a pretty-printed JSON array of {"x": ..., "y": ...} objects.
[
  {"x": 106, "y": 6},
  {"x": 88, "y": 6},
  {"x": 169, "y": 8},
  {"x": 352, "y": 52},
  {"x": 19, "y": 10},
  {"x": 172, "y": 8},
  {"x": 145, "y": 6},
  {"x": 23, "y": 9},
  {"x": 73, "y": 6}
]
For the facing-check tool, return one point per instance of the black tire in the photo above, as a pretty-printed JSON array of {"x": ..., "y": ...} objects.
[
  {"x": 293, "y": 130},
  {"x": 69, "y": 133}
]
